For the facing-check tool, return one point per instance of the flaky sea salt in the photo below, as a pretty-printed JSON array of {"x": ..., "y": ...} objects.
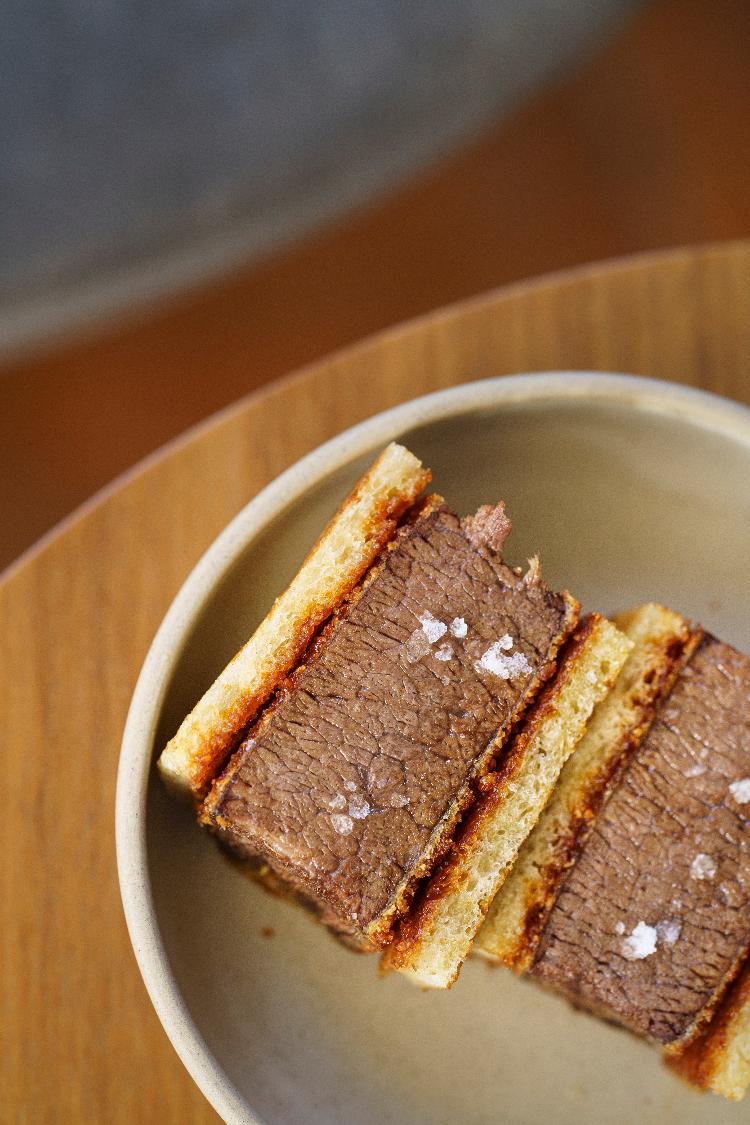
[
  {"x": 432, "y": 628},
  {"x": 429, "y": 633},
  {"x": 695, "y": 771},
  {"x": 417, "y": 646},
  {"x": 668, "y": 931},
  {"x": 341, "y": 823},
  {"x": 740, "y": 790},
  {"x": 702, "y": 867},
  {"x": 641, "y": 943},
  {"x": 459, "y": 628},
  {"x": 398, "y": 801},
  {"x": 499, "y": 663},
  {"x": 338, "y": 802},
  {"x": 445, "y": 652},
  {"x": 359, "y": 808},
  {"x": 620, "y": 928}
]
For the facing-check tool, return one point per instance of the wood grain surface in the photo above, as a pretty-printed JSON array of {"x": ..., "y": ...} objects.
[
  {"x": 645, "y": 144},
  {"x": 80, "y": 1041}
]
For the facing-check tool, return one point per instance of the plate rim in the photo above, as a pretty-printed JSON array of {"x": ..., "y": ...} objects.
[{"x": 642, "y": 394}]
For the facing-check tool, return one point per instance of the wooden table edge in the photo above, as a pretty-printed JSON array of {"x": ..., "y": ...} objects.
[{"x": 414, "y": 326}]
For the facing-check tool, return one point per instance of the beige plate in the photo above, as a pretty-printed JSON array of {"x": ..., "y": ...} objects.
[{"x": 631, "y": 489}]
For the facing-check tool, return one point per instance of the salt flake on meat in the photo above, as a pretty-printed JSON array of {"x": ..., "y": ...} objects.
[{"x": 641, "y": 943}]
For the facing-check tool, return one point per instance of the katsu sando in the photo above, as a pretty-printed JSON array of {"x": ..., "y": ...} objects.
[
  {"x": 357, "y": 752},
  {"x": 434, "y": 752}
]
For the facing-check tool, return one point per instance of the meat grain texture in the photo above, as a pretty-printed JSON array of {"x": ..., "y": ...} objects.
[
  {"x": 652, "y": 922},
  {"x": 347, "y": 787}
]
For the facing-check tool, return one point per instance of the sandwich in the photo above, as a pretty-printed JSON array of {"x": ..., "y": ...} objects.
[
  {"x": 435, "y": 753},
  {"x": 351, "y": 755},
  {"x": 632, "y": 899},
  {"x": 517, "y": 916},
  {"x": 433, "y": 940},
  {"x": 651, "y": 925}
]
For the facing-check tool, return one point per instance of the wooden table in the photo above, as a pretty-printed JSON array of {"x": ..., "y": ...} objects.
[
  {"x": 650, "y": 131},
  {"x": 80, "y": 1041}
]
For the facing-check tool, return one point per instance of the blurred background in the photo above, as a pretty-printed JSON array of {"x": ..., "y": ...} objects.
[{"x": 196, "y": 198}]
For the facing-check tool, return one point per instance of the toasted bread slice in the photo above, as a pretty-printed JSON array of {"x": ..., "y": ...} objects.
[
  {"x": 436, "y": 937},
  {"x": 515, "y": 920},
  {"x": 719, "y": 1059},
  {"x": 361, "y": 527}
]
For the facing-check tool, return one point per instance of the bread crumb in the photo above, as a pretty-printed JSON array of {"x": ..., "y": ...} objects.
[{"x": 533, "y": 575}]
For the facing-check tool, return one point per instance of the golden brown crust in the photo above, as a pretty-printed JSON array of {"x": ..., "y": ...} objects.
[
  {"x": 365, "y": 521},
  {"x": 718, "y": 1058}
]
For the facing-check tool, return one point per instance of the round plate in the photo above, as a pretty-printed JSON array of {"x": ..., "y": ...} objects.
[{"x": 631, "y": 490}]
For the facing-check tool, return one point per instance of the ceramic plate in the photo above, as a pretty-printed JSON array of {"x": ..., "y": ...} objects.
[{"x": 631, "y": 490}]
